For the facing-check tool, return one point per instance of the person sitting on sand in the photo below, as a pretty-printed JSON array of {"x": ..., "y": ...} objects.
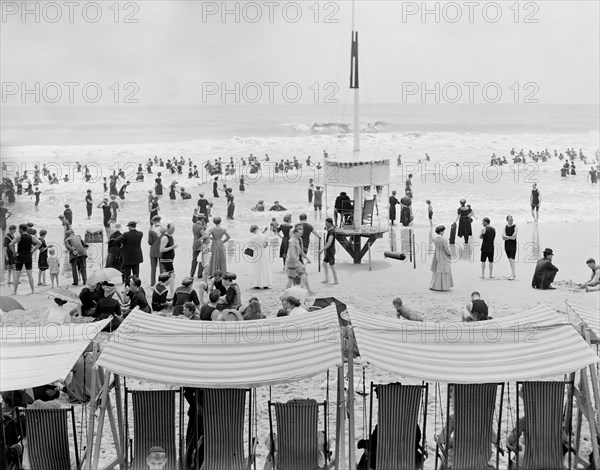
[
  {"x": 253, "y": 311},
  {"x": 160, "y": 292},
  {"x": 545, "y": 272},
  {"x": 293, "y": 306},
  {"x": 233, "y": 296},
  {"x": 594, "y": 283},
  {"x": 295, "y": 291},
  {"x": 404, "y": 312},
  {"x": 477, "y": 309},
  {"x": 215, "y": 282},
  {"x": 57, "y": 314}
]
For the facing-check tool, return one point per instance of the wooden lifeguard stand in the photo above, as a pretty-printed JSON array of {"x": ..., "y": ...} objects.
[{"x": 356, "y": 171}]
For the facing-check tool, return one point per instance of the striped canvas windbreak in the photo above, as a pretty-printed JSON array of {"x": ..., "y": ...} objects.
[
  {"x": 532, "y": 345},
  {"x": 397, "y": 419},
  {"x": 474, "y": 406},
  {"x": 224, "y": 429},
  {"x": 31, "y": 356},
  {"x": 153, "y": 425},
  {"x": 297, "y": 435},
  {"x": 48, "y": 438},
  {"x": 543, "y": 407},
  {"x": 233, "y": 354}
]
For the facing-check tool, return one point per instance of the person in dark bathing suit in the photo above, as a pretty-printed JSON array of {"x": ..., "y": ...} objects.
[
  {"x": 535, "y": 201},
  {"x": 464, "y": 221}
]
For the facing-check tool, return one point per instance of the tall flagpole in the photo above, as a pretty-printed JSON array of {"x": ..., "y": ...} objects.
[
  {"x": 357, "y": 222},
  {"x": 356, "y": 154}
]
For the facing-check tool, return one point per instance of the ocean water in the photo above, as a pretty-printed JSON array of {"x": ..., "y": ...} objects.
[{"x": 459, "y": 140}]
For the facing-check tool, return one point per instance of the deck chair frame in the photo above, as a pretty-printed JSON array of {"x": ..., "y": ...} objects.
[
  {"x": 423, "y": 402},
  {"x": 559, "y": 458},
  {"x": 248, "y": 461},
  {"x": 441, "y": 451},
  {"x": 367, "y": 211},
  {"x": 299, "y": 465},
  {"x": 130, "y": 451},
  {"x": 57, "y": 416}
]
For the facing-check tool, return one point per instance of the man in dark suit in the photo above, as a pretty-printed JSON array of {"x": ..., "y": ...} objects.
[
  {"x": 131, "y": 253},
  {"x": 545, "y": 272}
]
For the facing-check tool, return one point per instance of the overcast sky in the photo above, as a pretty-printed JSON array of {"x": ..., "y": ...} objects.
[{"x": 176, "y": 46}]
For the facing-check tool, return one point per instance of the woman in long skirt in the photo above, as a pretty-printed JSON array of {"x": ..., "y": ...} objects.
[
  {"x": 218, "y": 260},
  {"x": 260, "y": 276},
  {"x": 283, "y": 231},
  {"x": 441, "y": 268}
]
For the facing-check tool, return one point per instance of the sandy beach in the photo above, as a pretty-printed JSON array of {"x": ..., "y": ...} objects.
[{"x": 373, "y": 291}]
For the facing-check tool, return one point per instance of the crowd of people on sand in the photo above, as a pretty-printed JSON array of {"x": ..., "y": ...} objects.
[
  {"x": 211, "y": 291},
  {"x": 208, "y": 252}
]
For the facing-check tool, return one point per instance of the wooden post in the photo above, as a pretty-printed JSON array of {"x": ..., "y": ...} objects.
[
  {"x": 369, "y": 254},
  {"x": 100, "y": 428},
  {"x": 121, "y": 430},
  {"x": 350, "y": 355},
  {"x": 414, "y": 254},
  {"x": 90, "y": 430},
  {"x": 340, "y": 446},
  {"x": 410, "y": 251},
  {"x": 591, "y": 418}
]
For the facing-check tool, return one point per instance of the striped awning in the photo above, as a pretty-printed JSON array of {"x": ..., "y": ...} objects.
[
  {"x": 31, "y": 356},
  {"x": 590, "y": 316},
  {"x": 539, "y": 343},
  {"x": 224, "y": 354}
]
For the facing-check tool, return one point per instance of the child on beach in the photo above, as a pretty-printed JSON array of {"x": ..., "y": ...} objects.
[
  {"x": 274, "y": 226},
  {"x": 42, "y": 259},
  {"x": 53, "y": 266},
  {"x": 430, "y": 212},
  {"x": 68, "y": 213},
  {"x": 156, "y": 458},
  {"x": 114, "y": 206}
]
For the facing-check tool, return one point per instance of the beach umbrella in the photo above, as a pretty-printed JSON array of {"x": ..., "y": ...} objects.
[
  {"x": 8, "y": 304},
  {"x": 103, "y": 275},
  {"x": 64, "y": 294}
]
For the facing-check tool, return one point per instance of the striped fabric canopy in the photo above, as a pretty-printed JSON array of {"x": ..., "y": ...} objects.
[
  {"x": 539, "y": 343},
  {"x": 590, "y": 316},
  {"x": 31, "y": 356},
  {"x": 224, "y": 354}
]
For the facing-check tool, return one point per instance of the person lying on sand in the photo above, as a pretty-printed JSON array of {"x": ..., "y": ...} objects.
[{"x": 404, "y": 312}]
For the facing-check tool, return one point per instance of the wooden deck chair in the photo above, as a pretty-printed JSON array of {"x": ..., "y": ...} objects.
[
  {"x": 153, "y": 425},
  {"x": 297, "y": 443},
  {"x": 397, "y": 425},
  {"x": 474, "y": 406},
  {"x": 224, "y": 429},
  {"x": 543, "y": 426},
  {"x": 367, "y": 211},
  {"x": 47, "y": 434}
]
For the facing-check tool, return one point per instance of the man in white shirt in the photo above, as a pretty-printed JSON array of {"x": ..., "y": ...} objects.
[
  {"x": 295, "y": 291},
  {"x": 292, "y": 305}
]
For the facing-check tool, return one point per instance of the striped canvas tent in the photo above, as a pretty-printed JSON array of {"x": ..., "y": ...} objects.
[
  {"x": 36, "y": 355},
  {"x": 224, "y": 354},
  {"x": 539, "y": 343}
]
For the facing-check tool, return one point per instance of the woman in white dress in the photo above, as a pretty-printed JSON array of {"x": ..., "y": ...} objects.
[
  {"x": 441, "y": 268},
  {"x": 261, "y": 276}
]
